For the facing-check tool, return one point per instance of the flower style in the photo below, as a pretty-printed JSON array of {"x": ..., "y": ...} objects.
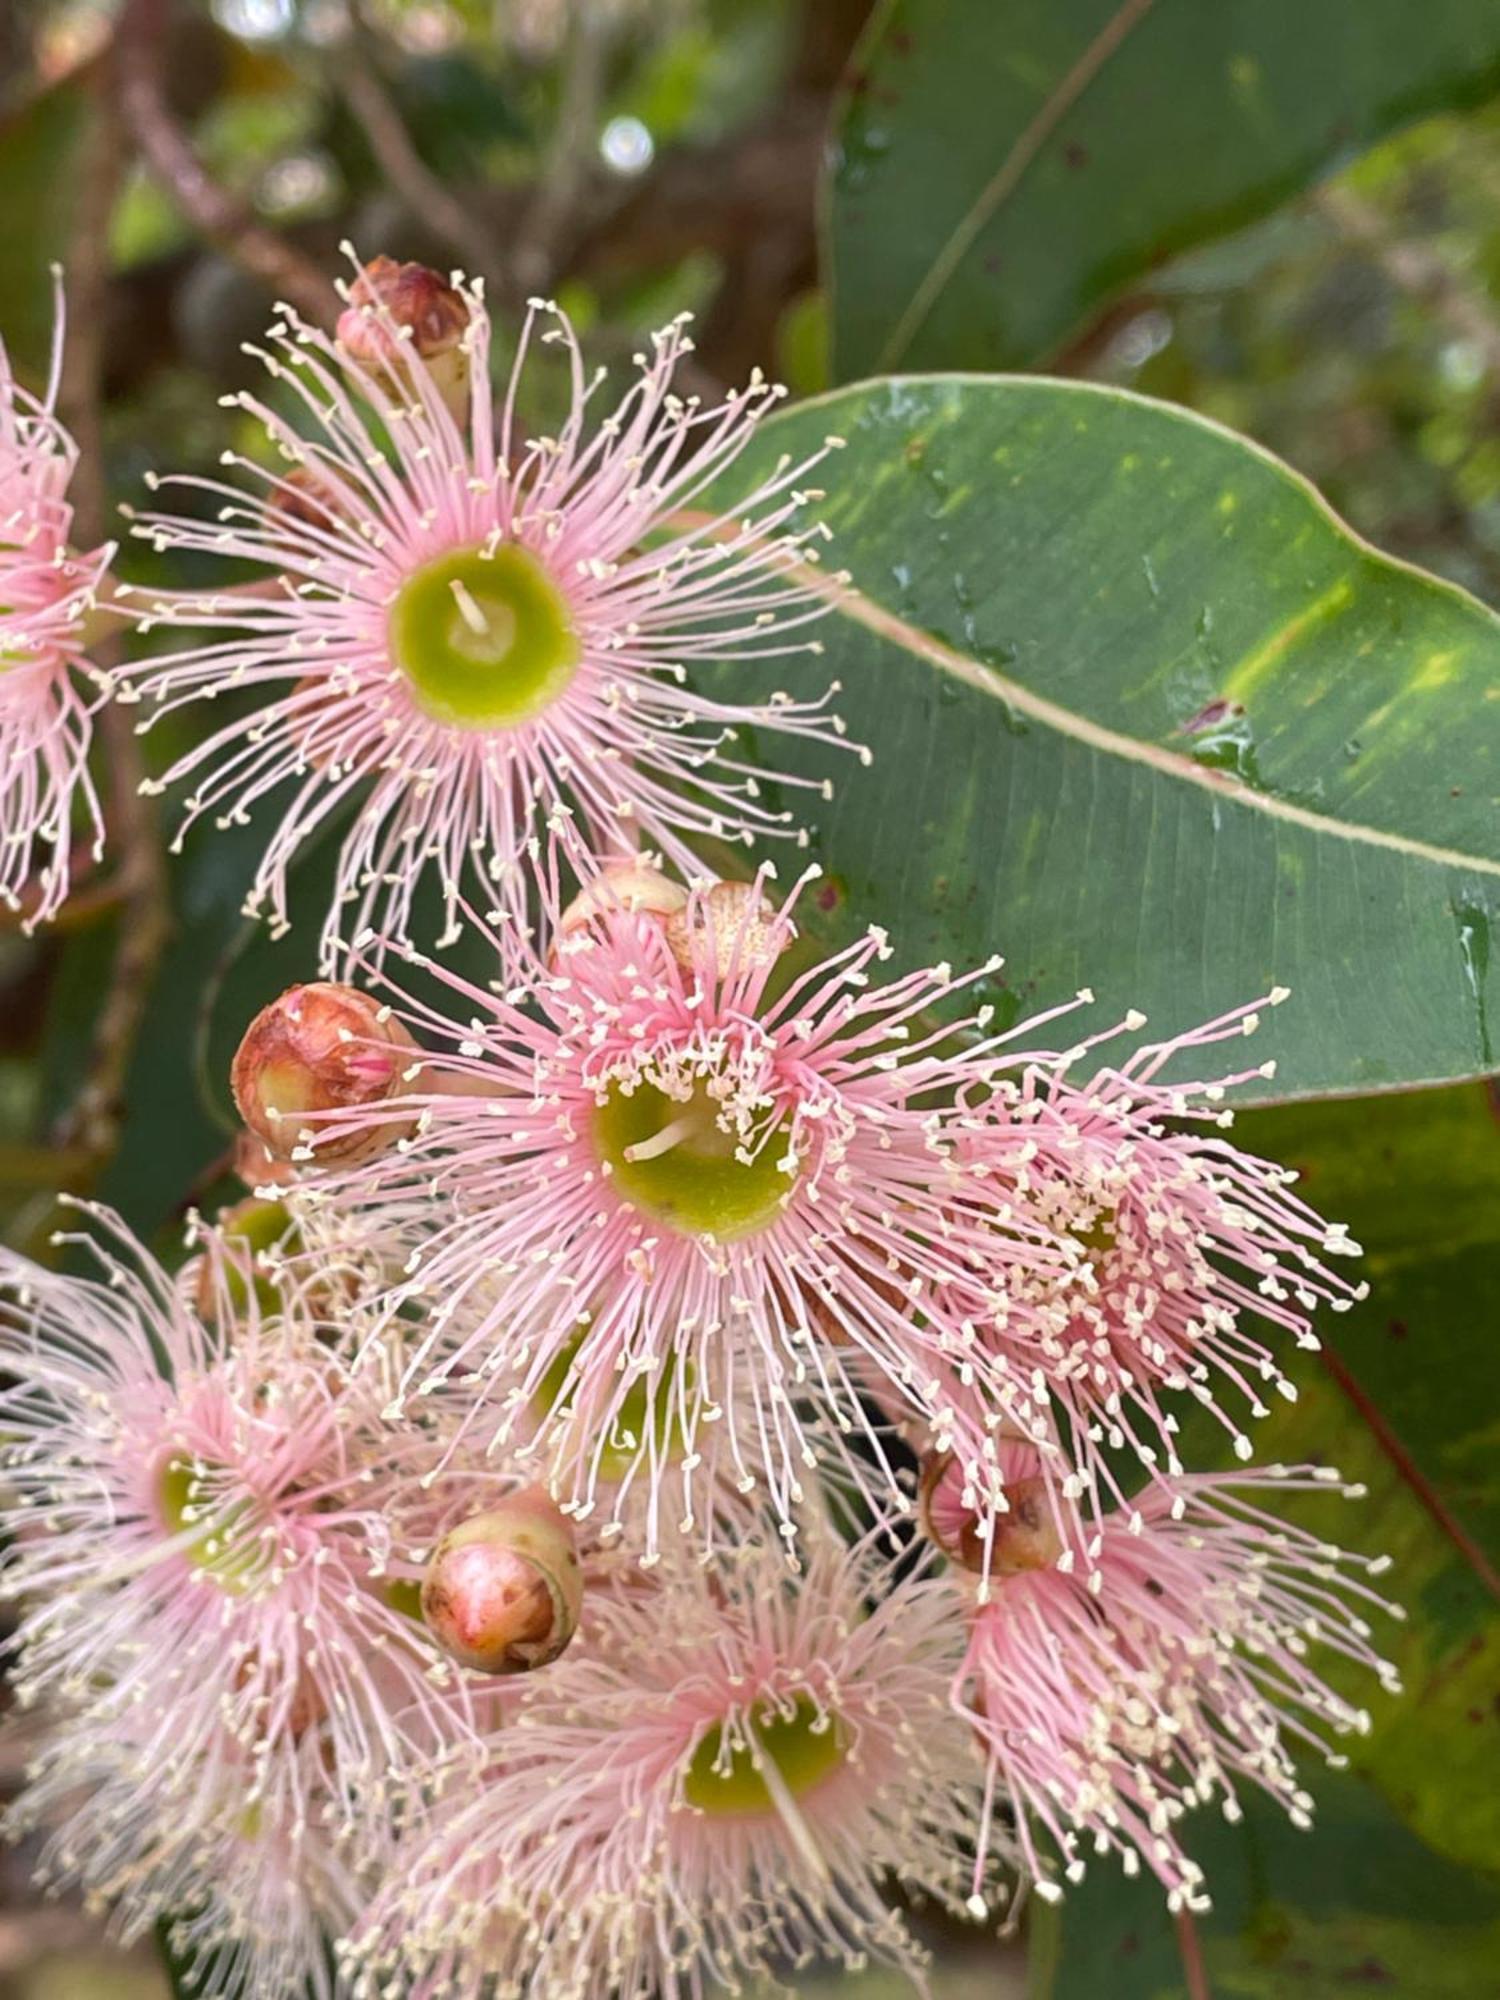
[
  {"x": 676, "y": 1215},
  {"x": 722, "y": 1780},
  {"x": 468, "y": 624},
  {"x": 46, "y": 592},
  {"x": 196, "y": 1546},
  {"x": 1178, "y": 1244},
  {"x": 1110, "y": 1706}
]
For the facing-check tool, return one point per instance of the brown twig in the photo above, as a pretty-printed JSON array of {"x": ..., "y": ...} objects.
[
  {"x": 140, "y": 44},
  {"x": 727, "y": 199},
  {"x": 92, "y": 1123},
  {"x": 565, "y": 171},
  {"x": 145, "y": 924},
  {"x": 719, "y": 199},
  {"x": 428, "y": 199},
  {"x": 85, "y": 905}
]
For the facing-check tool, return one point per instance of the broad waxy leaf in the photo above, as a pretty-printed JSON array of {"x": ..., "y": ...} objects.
[
  {"x": 1147, "y": 718},
  {"x": 1357, "y": 1905},
  {"x": 1395, "y": 1888},
  {"x": 1417, "y": 1178},
  {"x": 1407, "y": 1400},
  {"x": 1005, "y": 166}
]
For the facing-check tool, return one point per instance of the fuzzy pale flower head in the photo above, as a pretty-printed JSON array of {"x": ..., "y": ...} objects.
[
  {"x": 657, "y": 1194},
  {"x": 474, "y": 625},
  {"x": 1190, "y": 1266},
  {"x": 1165, "y": 1667},
  {"x": 186, "y": 1498},
  {"x": 46, "y": 593},
  {"x": 722, "y": 1778},
  {"x": 245, "y": 1898}
]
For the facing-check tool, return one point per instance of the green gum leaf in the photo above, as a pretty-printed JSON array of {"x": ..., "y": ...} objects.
[{"x": 1149, "y": 719}]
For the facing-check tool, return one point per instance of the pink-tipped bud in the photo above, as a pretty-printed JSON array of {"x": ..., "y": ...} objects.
[
  {"x": 634, "y": 885},
  {"x": 1024, "y": 1536},
  {"x": 503, "y": 1591},
  {"x": 401, "y": 312},
  {"x": 731, "y": 929},
  {"x": 319, "y": 1049}
]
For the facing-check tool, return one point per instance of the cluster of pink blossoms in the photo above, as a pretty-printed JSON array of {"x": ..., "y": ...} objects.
[
  {"x": 48, "y": 804},
  {"x": 677, "y": 1463}
]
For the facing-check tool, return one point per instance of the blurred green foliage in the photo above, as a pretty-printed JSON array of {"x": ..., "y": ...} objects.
[{"x": 1302, "y": 337}]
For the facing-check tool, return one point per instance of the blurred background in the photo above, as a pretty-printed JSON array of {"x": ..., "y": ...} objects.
[{"x": 632, "y": 158}]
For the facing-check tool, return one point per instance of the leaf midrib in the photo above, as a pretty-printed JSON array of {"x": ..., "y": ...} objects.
[
  {"x": 1008, "y": 176},
  {"x": 1174, "y": 764},
  {"x": 885, "y": 623}
]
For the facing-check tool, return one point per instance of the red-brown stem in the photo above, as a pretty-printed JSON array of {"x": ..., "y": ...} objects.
[
  {"x": 1191, "y": 1949},
  {"x": 140, "y": 47},
  {"x": 428, "y": 198},
  {"x": 1411, "y": 1473}
]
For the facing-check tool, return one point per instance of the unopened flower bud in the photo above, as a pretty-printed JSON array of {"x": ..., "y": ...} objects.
[
  {"x": 1022, "y": 1536},
  {"x": 400, "y": 311},
  {"x": 635, "y": 885},
  {"x": 732, "y": 929},
  {"x": 318, "y": 1049},
  {"x": 503, "y": 1591}
]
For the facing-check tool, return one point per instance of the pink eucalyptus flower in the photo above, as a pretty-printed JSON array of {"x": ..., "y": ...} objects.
[
  {"x": 651, "y": 1182},
  {"x": 720, "y": 1780},
  {"x": 1187, "y": 1258},
  {"x": 46, "y": 592},
  {"x": 1113, "y": 1702},
  {"x": 246, "y": 1899},
  {"x": 467, "y": 624},
  {"x": 187, "y": 1505}
]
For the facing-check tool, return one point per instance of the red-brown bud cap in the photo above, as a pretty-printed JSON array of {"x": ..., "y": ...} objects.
[
  {"x": 503, "y": 1591},
  {"x": 321, "y": 1048},
  {"x": 732, "y": 928},
  {"x": 397, "y": 311},
  {"x": 1023, "y": 1536}
]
